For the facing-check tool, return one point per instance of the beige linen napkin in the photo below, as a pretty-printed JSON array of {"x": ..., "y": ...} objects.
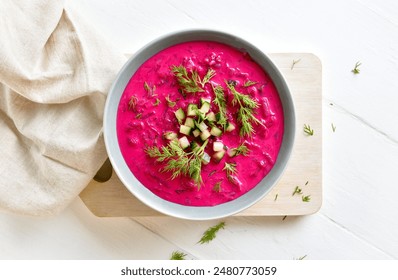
[{"x": 55, "y": 72}]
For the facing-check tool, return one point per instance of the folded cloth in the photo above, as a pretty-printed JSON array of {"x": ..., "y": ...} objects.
[{"x": 55, "y": 72}]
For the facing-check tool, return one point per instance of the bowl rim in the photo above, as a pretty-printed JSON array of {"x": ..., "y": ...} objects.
[{"x": 197, "y": 212}]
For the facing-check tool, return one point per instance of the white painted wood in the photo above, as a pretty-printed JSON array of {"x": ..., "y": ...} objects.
[{"x": 358, "y": 219}]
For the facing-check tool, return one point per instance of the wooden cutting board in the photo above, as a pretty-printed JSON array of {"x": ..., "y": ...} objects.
[{"x": 303, "y": 73}]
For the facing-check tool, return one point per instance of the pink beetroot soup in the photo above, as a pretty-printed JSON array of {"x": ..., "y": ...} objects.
[{"x": 147, "y": 111}]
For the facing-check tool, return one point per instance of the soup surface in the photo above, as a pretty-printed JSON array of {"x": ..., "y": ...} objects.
[{"x": 200, "y": 123}]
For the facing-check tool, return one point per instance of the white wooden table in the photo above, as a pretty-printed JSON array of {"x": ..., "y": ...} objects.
[{"x": 359, "y": 216}]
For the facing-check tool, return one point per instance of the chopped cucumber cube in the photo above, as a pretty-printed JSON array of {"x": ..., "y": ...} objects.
[
  {"x": 218, "y": 146},
  {"x": 204, "y": 135},
  {"x": 211, "y": 117},
  {"x": 189, "y": 122},
  {"x": 185, "y": 129},
  {"x": 196, "y": 132},
  {"x": 205, "y": 108},
  {"x": 180, "y": 115},
  {"x": 184, "y": 142},
  {"x": 215, "y": 131},
  {"x": 205, "y": 100},
  {"x": 232, "y": 152},
  {"x": 205, "y": 158},
  {"x": 230, "y": 127},
  {"x": 191, "y": 111},
  {"x": 169, "y": 135},
  {"x": 219, "y": 155},
  {"x": 202, "y": 126}
]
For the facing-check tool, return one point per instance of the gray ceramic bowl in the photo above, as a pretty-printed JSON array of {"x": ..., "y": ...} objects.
[{"x": 190, "y": 212}]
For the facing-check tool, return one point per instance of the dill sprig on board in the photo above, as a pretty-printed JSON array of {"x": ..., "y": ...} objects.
[
  {"x": 191, "y": 82},
  {"x": 180, "y": 162},
  {"x": 220, "y": 101},
  {"x": 308, "y": 130},
  {"x": 211, "y": 232},
  {"x": 246, "y": 110}
]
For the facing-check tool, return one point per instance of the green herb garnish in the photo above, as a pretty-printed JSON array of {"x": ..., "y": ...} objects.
[
  {"x": 333, "y": 127},
  {"x": 170, "y": 103},
  {"x": 217, "y": 187},
  {"x": 245, "y": 112},
  {"x": 249, "y": 83},
  {"x": 188, "y": 83},
  {"x": 230, "y": 169},
  {"x": 133, "y": 102},
  {"x": 306, "y": 198},
  {"x": 294, "y": 63},
  {"x": 191, "y": 83},
  {"x": 222, "y": 106},
  {"x": 180, "y": 162},
  {"x": 297, "y": 190},
  {"x": 276, "y": 197},
  {"x": 149, "y": 90},
  {"x": 157, "y": 102},
  {"x": 209, "y": 75},
  {"x": 356, "y": 69},
  {"x": 302, "y": 258},
  {"x": 177, "y": 255},
  {"x": 211, "y": 232},
  {"x": 241, "y": 150},
  {"x": 308, "y": 130}
]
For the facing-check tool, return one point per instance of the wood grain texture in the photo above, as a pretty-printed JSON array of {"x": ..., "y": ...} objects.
[{"x": 112, "y": 199}]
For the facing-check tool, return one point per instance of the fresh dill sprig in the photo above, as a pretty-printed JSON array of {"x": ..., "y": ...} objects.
[
  {"x": 245, "y": 112},
  {"x": 170, "y": 103},
  {"x": 211, "y": 232},
  {"x": 188, "y": 83},
  {"x": 294, "y": 63},
  {"x": 241, "y": 150},
  {"x": 276, "y": 197},
  {"x": 222, "y": 106},
  {"x": 191, "y": 83},
  {"x": 306, "y": 198},
  {"x": 209, "y": 75},
  {"x": 356, "y": 69},
  {"x": 157, "y": 102},
  {"x": 230, "y": 169},
  {"x": 308, "y": 130},
  {"x": 133, "y": 102},
  {"x": 149, "y": 90},
  {"x": 333, "y": 128},
  {"x": 180, "y": 162},
  {"x": 301, "y": 258},
  {"x": 177, "y": 255},
  {"x": 217, "y": 187},
  {"x": 297, "y": 190},
  {"x": 249, "y": 83}
]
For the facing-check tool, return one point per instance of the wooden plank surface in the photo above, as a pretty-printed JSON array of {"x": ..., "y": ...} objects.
[{"x": 112, "y": 199}]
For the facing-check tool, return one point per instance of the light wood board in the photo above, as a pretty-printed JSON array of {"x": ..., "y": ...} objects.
[{"x": 304, "y": 78}]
